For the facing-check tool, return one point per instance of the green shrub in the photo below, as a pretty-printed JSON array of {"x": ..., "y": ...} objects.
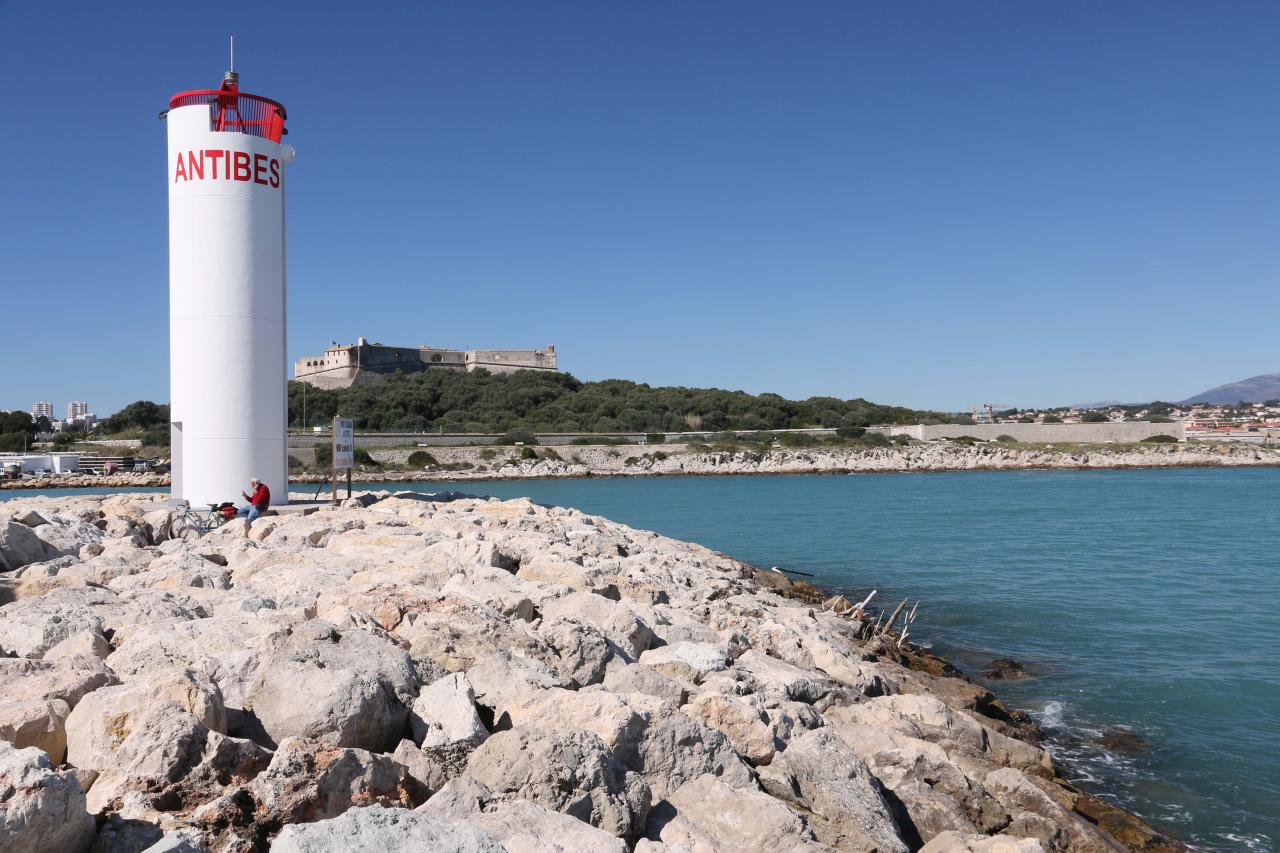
[
  {"x": 877, "y": 439},
  {"x": 581, "y": 441},
  {"x": 966, "y": 440},
  {"x": 901, "y": 440},
  {"x": 798, "y": 439},
  {"x": 1160, "y": 439},
  {"x": 1006, "y": 438},
  {"x": 550, "y": 453},
  {"x": 655, "y": 438},
  {"x": 1052, "y": 419},
  {"x": 1094, "y": 418},
  {"x": 658, "y": 455},
  {"x": 630, "y": 460},
  {"x": 421, "y": 459},
  {"x": 527, "y": 452},
  {"x": 362, "y": 457},
  {"x": 295, "y": 465},
  {"x": 851, "y": 431},
  {"x": 488, "y": 453}
]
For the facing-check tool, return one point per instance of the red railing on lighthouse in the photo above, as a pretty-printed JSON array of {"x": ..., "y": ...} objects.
[{"x": 233, "y": 111}]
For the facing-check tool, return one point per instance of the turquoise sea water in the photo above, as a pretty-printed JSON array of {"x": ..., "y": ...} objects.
[{"x": 1148, "y": 599}]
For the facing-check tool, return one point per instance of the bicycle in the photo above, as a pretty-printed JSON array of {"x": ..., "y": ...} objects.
[{"x": 190, "y": 525}]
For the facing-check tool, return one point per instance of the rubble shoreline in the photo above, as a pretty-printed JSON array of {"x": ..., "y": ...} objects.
[
  {"x": 506, "y": 464},
  {"x": 484, "y": 675}
]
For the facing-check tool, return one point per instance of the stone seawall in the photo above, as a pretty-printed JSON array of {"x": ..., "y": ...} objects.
[
  {"x": 501, "y": 463},
  {"x": 506, "y": 462},
  {"x": 410, "y": 672}
]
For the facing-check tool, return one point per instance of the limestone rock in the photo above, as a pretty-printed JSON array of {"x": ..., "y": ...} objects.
[
  {"x": 502, "y": 679},
  {"x": 174, "y": 761},
  {"x": 179, "y": 841},
  {"x": 105, "y": 718},
  {"x": 524, "y": 827},
  {"x": 569, "y": 772},
  {"x": 738, "y": 721},
  {"x": 444, "y": 720},
  {"x": 428, "y": 770},
  {"x": 65, "y": 535},
  {"x": 583, "y": 650},
  {"x": 42, "y": 810},
  {"x": 19, "y": 545},
  {"x": 707, "y": 814},
  {"x": 308, "y": 780},
  {"x": 90, "y": 643},
  {"x": 32, "y": 626},
  {"x": 923, "y": 777},
  {"x": 387, "y": 830},
  {"x": 229, "y": 650},
  {"x": 702, "y": 658},
  {"x": 508, "y": 595},
  {"x": 615, "y": 720},
  {"x": 457, "y": 633},
  {"x": 674, "y": 749},
  {"x": 346, "y": 687},
  {"x": 617, "y": 620},
  {"x": 820, "y": 774},
  {"x": 39, "y": 695},
  {"x": 642, "y": 679},
  {"x": 1036, "y": 815},
  {"x": 958, "y": 842}
]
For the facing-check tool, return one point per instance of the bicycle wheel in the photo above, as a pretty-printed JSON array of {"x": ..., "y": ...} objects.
[
  {"x": 216, "y": 520},
  {"x": 187, "y": 530}
]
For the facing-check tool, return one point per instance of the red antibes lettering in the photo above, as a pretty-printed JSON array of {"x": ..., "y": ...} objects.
[
  {"x": 180, "y": 173},
  {"x": 195, "y": 167},
  {"x": 275, "y": 172},
  {"x": 259, "y": 168},
  {"x": 214, "y": 155},
  {"x": 243, "y": 171}
]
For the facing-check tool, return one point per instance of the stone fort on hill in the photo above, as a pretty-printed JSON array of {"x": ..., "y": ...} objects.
[{"x": 363, "y": 363}]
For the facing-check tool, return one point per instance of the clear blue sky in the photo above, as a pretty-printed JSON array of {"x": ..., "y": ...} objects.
[{"x": 929, "y": 204}]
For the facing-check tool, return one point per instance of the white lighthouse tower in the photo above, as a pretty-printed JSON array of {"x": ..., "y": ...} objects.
[{"x": 226, "y": 174}]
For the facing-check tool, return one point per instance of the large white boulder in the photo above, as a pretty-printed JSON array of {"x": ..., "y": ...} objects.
[
  {"x": 105, "y": 718},
  {"x": 345, "y": 687},
  {"x": 384, "y": 830},
  {"x": 821, "y": 775},
  {"x": 37, "y": 696},
  {"x": 42, "y": 810},
  {"x": 19, "y": 545},
  {"x": 444, "y": 720},
  {"x": 569, "y": 772},
  {"x": 707, "y": 814}
]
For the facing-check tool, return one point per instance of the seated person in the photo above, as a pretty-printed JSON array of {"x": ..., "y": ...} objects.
[{"x": 259, "y": 501}]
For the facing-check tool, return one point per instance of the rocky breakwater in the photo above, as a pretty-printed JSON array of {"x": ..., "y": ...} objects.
[
  {"x": 401, "y": 673},
  {"x": 506, "y": 463},
  {"x": 131, "y": 479}
]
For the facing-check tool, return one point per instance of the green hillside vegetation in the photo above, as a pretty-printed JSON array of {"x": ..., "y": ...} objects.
[
  {"x": 557, "y": 402},
  {"x": 17, "y": 430}
]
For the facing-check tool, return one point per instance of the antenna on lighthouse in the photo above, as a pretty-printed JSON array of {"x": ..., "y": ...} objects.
[{"x": 231, "y": 76}]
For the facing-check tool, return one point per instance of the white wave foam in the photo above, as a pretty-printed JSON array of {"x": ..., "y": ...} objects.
[{"x": 1250, "y": 842}]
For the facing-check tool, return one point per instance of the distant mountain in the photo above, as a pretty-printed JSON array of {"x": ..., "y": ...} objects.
[{"x": 1255, "y": 389}]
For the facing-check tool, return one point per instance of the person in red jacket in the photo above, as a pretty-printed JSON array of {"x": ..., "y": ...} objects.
[{"x": 258, "y": 501}]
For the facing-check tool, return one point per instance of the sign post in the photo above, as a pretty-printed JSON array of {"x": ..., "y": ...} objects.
[{"x": 344, "y": 451}]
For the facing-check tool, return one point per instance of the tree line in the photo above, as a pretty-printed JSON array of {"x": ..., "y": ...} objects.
[{"x": 538, "y": 401}]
